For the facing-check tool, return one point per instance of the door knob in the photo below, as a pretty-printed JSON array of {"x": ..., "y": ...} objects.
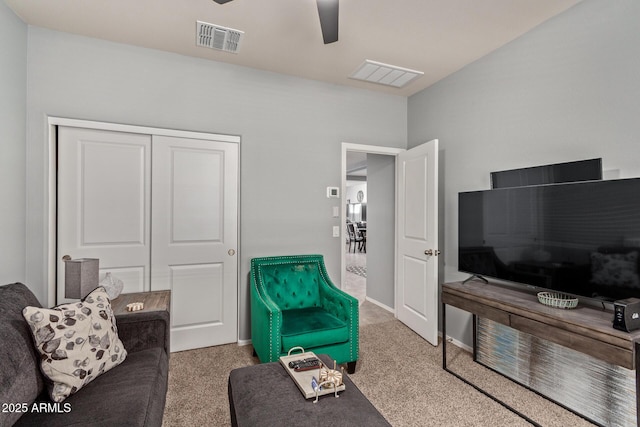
[
  {"x": 231, "y": 252},
  {"x": 429, "y": 252},
  {"x": 66, "y": 258}
]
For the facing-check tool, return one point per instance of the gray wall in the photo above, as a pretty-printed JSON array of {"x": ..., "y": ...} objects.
[
  {"x": 567, "y": 90},
  {"x": 291, "y": 131},
  {"x": 13, "y": 90},
  {"x": 381, "y": 192}
]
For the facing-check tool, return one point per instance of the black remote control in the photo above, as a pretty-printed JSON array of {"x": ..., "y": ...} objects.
[{"x": 305, "y": 365}]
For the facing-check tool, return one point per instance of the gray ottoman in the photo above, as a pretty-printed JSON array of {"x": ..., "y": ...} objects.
[{"x": 265, "y": 395}]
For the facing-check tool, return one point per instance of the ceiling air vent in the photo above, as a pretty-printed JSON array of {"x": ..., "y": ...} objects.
[
  {"x": 384, "y": 74},
  {"x": 218, "y": 37}
]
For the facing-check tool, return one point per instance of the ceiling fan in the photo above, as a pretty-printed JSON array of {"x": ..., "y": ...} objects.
[{"x": 328, "y": 12}]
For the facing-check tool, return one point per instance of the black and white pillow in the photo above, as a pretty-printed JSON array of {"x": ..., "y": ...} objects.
[{"x": 77, "y": 342}]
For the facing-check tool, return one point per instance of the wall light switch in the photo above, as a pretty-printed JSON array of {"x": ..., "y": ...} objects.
[{"x": 336, "y": 231}]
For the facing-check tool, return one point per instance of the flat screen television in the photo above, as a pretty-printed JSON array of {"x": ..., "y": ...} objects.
[{"x": 580, "y": 238}]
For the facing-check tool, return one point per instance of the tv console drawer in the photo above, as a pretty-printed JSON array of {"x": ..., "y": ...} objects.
[
  {"x": 478, "y": 309},
  {"x": 595, "y": 348}
]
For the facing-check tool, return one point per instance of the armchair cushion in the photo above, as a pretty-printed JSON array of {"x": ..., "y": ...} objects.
[{"x": 311, "y": 327}]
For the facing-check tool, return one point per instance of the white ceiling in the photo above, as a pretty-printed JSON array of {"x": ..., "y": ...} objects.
[{"x": 437, "y": 37}]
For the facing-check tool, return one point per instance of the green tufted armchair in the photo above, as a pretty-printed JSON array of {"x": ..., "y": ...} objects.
[{"x": 294, "y": 303}]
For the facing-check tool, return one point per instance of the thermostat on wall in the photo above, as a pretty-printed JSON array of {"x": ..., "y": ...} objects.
[{"x": 333, "y": 192}]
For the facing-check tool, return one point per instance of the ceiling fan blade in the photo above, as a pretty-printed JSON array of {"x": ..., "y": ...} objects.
[
  {"x": 328, "y": 11},
  {"x": 222, "y": 1}
]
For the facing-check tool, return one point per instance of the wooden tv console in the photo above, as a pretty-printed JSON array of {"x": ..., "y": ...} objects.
[{"x": 585, "y": 329}]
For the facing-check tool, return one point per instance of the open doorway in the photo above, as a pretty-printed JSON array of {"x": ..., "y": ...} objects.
[
  {"x": 368, "y": 189},
  {"x": 406, "y": 272},
  {"x": 355, "y": 228}
]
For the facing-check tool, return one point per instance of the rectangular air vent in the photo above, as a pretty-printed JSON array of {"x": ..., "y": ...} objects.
[
  {"x": 218, "y": 37},
  {"x": 384, "y": 74}
]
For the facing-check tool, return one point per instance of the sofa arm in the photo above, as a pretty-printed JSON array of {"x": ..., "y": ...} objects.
[{"x": 144, "y": 329}]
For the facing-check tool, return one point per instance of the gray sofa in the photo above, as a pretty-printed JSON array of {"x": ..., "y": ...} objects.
[{"x": 131, "y": 394}]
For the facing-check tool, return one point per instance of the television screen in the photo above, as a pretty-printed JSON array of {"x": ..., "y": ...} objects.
[{"x": 578, "y": 238}]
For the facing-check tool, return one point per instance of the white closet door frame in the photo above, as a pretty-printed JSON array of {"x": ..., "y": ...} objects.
[{"x": 53, "y": 123}]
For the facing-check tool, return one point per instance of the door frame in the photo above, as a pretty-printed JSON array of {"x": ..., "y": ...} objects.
[
  {"x": 51, "y": 202},
  {"x": 369, "y": 149}
]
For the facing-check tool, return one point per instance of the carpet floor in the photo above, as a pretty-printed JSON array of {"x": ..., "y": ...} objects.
[{"x": 399, "y": 372}]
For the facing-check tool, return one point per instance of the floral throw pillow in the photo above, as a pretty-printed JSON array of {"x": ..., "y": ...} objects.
[{"x": 77, "y": 342}]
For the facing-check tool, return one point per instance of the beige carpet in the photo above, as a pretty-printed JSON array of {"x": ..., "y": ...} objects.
[{"x": 398, "y": 371}]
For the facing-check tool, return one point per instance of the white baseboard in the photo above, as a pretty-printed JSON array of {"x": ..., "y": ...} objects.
[
  {"x": 243, "y": 342},
  {"x": 381, "y": 305},
  {"x": 457, "y": 343}
]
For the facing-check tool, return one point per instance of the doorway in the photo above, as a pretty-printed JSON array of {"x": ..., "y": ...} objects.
[
  {"x": 355, "y": 230},
  {"x": 413, "y": 285},
  {"x": 368, "y": 188}
]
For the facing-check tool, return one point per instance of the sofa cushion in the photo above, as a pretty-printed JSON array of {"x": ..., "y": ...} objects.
[
  {"x": 20, "y": 378},
  {"x": 77, "y": 342},
  {"x": 132, "y": 394},
  {"x": 311, "y": 327}
]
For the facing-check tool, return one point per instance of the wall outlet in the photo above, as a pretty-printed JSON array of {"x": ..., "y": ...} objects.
[{"x": 336, "y": 231}]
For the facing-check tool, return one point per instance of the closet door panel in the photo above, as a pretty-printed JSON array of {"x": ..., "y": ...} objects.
[
  {"x": 104, "y": 187},
  {"x": 195, "y": 237}
]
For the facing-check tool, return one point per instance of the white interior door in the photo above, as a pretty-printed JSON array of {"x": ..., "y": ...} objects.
[
  {"x": 195, "y": 238},
  {"x": 103, "y": 204},
  {"x": 159, "y": 212},
  {"x": 417, "y": 222}
]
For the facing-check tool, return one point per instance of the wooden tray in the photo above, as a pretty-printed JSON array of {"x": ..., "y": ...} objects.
[{"x": 303, "y": 379}]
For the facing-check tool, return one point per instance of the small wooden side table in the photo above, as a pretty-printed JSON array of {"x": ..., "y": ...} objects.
[{"x": 153, "y": 301}]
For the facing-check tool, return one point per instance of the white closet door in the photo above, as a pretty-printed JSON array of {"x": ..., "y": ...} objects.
[
  {"x": 195, "y": 237},
  {"x": 174, "y": 228},
  {"x": 104, "y": 183}
]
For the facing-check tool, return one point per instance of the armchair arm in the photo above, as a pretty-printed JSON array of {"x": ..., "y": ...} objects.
[
  {"x": 144, "y": 329},
  {"x": 339, "y": 303},
  {"x": 266, "y": 324},
  {"x": 336, "y": 301},
  {"x": 345, "y": 307}
]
